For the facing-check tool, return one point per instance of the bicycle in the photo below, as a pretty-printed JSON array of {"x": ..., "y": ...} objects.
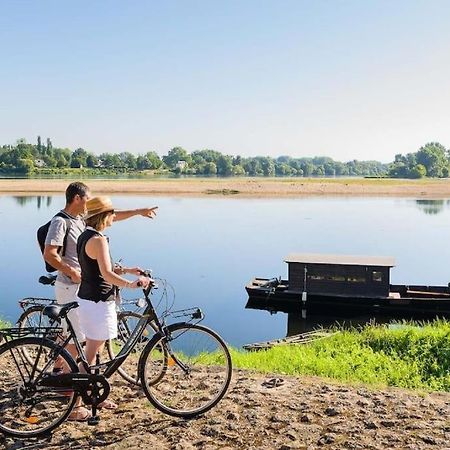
[
  {"x": 126, "y": 321},
  {"x": 185, "y": 370}
]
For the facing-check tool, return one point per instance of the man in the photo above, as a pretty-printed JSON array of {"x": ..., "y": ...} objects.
[{"x": 69, "y": 274}]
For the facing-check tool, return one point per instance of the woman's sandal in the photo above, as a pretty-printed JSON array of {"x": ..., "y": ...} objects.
[
  {"x": 108, "y": 404},
  {"x": 79, "y": 414}
]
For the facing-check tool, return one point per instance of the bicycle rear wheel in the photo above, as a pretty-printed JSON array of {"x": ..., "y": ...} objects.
[
  {"x": 197, "y": 370},
  {"x": 33, "y": 317},
  {"x": 27, "y": 408}
]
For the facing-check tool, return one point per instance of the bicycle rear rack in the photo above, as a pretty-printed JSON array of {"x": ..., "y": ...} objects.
[
  {"x": 193, "y": 313},
  {"x": 16, "y": 333},
  {"x": 35, "y": 301}
]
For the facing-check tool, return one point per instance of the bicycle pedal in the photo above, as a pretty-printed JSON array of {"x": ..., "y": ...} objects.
[{"x": 93, "y": 420}]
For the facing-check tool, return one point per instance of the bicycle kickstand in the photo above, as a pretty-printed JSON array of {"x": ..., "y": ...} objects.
[{"x": 95, "y": 419}]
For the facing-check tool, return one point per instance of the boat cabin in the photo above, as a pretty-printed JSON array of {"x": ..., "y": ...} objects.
[{"x": 339, "y": 275}]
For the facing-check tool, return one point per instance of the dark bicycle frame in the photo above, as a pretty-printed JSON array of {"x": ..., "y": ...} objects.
[{"x": 149, "y": 315}]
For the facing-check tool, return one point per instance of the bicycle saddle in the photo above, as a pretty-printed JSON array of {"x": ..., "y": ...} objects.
[
  {"x": 55, "y": 312},
  {"x": 47, "y": 279}
]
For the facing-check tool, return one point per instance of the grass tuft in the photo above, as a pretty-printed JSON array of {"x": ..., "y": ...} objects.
[{"x": 415, "y": 356}]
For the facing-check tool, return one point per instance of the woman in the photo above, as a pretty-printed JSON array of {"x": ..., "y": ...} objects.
[{"x": 96, "y": 296}]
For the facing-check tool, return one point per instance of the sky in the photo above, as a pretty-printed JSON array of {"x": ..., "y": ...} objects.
[{"x": 347, "y": 79}]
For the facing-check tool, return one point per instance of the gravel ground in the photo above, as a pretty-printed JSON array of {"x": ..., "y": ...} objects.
[{"x": 257, "y": 413}]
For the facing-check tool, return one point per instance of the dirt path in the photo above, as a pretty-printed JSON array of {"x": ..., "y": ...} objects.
[{"x": 301, "y": 413}]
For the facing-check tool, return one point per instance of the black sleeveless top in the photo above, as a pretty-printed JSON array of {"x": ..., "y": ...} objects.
[{"x": 93, "y": 286}]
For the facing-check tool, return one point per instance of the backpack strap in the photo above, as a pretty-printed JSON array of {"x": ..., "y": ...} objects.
[{"x": 67, "y": 218}]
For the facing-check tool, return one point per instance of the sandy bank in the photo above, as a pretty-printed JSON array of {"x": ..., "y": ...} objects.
[
  {"x": 241, "y": 187},
  {"x": 302, "y": 413}
]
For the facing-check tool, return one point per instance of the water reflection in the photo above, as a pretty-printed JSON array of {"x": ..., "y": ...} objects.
[
  {"x": 40, "y": 200},
  {"x": 432, "y": 206},
  {"x": 427, "y": 206}
]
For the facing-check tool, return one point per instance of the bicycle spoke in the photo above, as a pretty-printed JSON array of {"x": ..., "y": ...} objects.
[
  {"x": 126, "y": 323},
  {"x": 26, "y": 408},
  {"x": 197, "y": 371}
]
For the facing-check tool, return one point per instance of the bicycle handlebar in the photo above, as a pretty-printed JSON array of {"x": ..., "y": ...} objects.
[{"x": 147, "y": 274}]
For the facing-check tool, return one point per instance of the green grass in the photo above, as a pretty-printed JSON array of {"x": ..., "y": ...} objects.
[
  {"x": 409, "y": 356},
  {"x": 4, "y": 324}
]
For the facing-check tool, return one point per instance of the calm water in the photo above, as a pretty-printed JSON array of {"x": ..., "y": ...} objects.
[{"x": 209, "y": 248}]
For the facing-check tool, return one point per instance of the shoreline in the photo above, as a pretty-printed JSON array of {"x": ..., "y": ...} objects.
[{"x": 240, "y": 187}]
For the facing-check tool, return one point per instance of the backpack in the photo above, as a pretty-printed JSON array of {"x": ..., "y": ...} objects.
[{"x": 42, "y": 235}]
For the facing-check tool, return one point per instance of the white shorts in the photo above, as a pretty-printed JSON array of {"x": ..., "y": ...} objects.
[
  {"x": 66, "y": 293},
  {"x": 98, "y": 321}
]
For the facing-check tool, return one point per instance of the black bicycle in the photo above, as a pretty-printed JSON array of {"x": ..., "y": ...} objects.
[
  {"x": 129, "y": 312},
  {"x": 185, "y": 369}
]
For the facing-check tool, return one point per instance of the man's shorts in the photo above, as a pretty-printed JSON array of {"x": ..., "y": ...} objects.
[{"x": 66, "y": 293}]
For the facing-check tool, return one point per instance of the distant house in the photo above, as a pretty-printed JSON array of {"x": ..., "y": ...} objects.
[
  {"x": 181, "y": 165},
  {"x": 39, "y": 163}
]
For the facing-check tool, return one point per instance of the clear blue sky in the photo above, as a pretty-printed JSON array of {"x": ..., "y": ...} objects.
[{"x": 349, "y": 79}]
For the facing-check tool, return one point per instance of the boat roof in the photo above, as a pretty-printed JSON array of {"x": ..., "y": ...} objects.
[{"x": 347, "y": 260}]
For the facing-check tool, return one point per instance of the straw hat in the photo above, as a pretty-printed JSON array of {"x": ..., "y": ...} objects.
[{"x": 98, "y": 205}]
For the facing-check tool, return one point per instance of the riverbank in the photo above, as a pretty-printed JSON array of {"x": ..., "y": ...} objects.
[
  {"x": 298, "y": 413},
  {"x": 240, "y": 187}
]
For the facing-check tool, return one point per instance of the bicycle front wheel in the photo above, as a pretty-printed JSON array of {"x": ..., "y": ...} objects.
[
  {"x": 27, "y": 408},
  {"x": 126, "y": 323},
  {"x": 197, "y": 370}
]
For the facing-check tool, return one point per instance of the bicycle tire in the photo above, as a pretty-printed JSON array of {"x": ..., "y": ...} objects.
[
  {"x": 204, "y": 380},
  {"x": 126, "y": 322},
  {"x": 33, "y": 317},
  {"x": 27, "y": 408}
]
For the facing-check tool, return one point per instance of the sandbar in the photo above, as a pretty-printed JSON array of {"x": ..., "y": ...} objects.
[{"x": 239, "y": 187}]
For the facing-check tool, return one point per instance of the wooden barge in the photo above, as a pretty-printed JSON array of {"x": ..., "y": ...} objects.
[{"x": 344, "y": 285}]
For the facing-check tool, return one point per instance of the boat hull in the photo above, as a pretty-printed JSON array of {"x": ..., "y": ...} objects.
[{"x": 404, "y": 301}]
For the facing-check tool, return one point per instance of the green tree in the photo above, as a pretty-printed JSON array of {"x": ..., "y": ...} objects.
[
  {"x": 210, "y": 168},
  {"x": 49, "y": 146},
  {"x": 91, "y": 161},
  {"x": 307, "y": 168},
  {"x": 25, "y": 165},
  {"x": 418, "y": 171},
  {"x": 434, "y": 157},
  {"x": 110, "y": 161},
  {"x": 128, "y": 160},
  {"x": 78, "y": 158},
  {"x": 225, "y": 166},
  {"x": 283, "y": 169},
  {"x": 175, "y": 155},
  {"x": 238, "y": 170},
  {"x": 39, "y": 145},
  {"x": 252, "y": 166},
  {"x": 154, "y": 160},
  {"x": 142, "y": 163},
  {"x": 267, "y": 165}
]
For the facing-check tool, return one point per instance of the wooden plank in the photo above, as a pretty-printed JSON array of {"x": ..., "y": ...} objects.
[
  {"x": 302, "y": 338},
  {"x": 436, "y": 294}
]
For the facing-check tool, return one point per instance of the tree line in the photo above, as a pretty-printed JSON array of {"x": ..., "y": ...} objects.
[{"x": 431, "y": 160}]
